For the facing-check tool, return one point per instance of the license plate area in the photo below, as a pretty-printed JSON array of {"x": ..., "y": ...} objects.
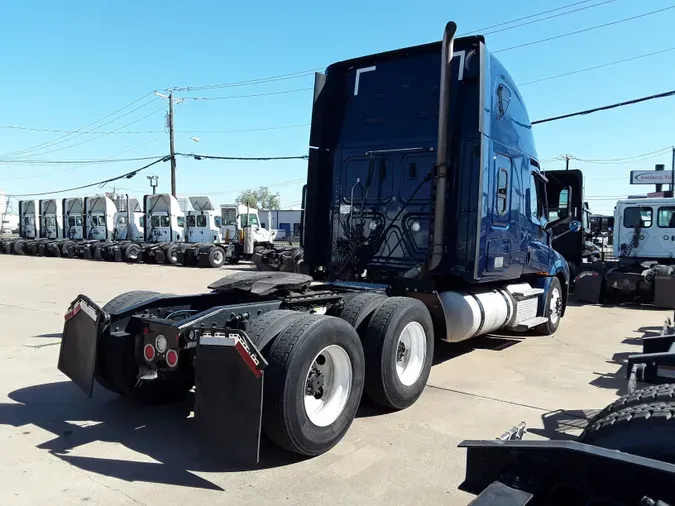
[{"x": 77, "y": 356}]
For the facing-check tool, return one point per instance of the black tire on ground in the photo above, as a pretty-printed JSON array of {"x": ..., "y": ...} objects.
[
  {"x": 117, "y": 367},
  {"x": 646, "y": 430},
  {"x": 553, "y": 321},
  {"x": 648, "y": 395},
  {"x": 132, "y": 252},
  {"x": 269, "y": 325},
  {"x": 20, "y": 247},
  {"x": 171, "y": 252},
  {"x": 68, "y": 249},
  {"x": 386, "y": 347},
  {"x": 216, "y": 257},
  {"x": 309, "y": 343},
  {"x": 357, "y": 312}
]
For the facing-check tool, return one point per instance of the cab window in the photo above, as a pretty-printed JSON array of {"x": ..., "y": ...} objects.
[
  {"x": 534, "y": 198},
  {"x": 253, "y": 220},
  {"x": 180, "y": 221},
  {"x": 154, "y": 221},
  {"x": 71, "y": 221},
  {"x": 230, "y": 217},
  {"x": 141, "y": 221},
  {"x": 121, "y": 220},
  {"x": 637, "y": 216},
  {"x": 201, "y": 220},
  {"x": 190, "y": 220},
  {"x": 218, "y": 221},
  {"x": 666, "y": 217}
]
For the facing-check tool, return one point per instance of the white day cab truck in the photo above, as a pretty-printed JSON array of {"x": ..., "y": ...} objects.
[
  {"x": 644, "y": 250},
  {"x": 397, "y": 255},
  {"x": 186, "y": 232}
]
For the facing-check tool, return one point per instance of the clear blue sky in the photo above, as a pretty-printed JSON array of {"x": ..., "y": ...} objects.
[{"x": 68, "y": 64}]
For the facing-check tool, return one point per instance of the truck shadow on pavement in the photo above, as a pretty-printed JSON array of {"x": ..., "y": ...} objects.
[
  {"x": 165, "y": 434},
  {"x": 564, "y": 424}
]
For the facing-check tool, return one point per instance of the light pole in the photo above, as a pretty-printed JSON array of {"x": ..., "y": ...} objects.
[{"x": 154, "y": 181}]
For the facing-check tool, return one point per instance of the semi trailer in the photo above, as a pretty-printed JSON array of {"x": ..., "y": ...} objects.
[
  {"x": 425, "y": 220},
  {"x": 643, "y": 243}
]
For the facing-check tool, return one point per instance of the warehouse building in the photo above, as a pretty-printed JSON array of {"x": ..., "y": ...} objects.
[{"x": 287, "y": 221}]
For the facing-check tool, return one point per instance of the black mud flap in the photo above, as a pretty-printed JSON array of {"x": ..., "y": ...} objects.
[
  {"x": 229, "y": 392},
  {"x": 77, "y": 356}
]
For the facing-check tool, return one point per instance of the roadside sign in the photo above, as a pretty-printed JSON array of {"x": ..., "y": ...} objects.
[{"x": 650, "y": 177}]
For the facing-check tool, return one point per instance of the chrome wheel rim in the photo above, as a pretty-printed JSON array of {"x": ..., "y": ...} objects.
[
  {"x": 328, "y": 385},
  {"x": 411, "y": 353}
]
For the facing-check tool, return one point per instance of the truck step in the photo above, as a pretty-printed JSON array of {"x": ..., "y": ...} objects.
[
  {"x": 526, "y": 294},
  {"x": 532, "y": 322}
]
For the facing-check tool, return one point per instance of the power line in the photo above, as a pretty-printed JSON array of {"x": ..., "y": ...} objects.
[
  {"x": 85, "y": 164},
  {"x": 597, "y": 67},
  {"x": 242, "y": 158},
  {"x": 53, "y": 130},
  {"x": 526, "y": 17},
  {"x": 101, "y": 160},
  {"x": 240, "y": 130},
  {"x": 260, "y": 80},
  {"x": 60, "y": 139},
  {"x": 576, "y": 32},
  {"x": 548, "y": 17},
  {"x": 308, "y": 72},
  {"x": 127, "y": 175},
  {"x": 230, "y": 97},
  {"x": 96, "y": 138},
  {"x": 607, "y": 107}
]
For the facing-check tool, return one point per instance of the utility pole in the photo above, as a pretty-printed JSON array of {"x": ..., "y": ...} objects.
[
  {"x": 672, "y": 175},
  {"x": 172, "y": 151},
  {"x": 567, "y": 161}
]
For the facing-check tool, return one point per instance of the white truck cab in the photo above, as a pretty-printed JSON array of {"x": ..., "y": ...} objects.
[
  {"x": 164, "y": 219},
  {"x": 51, "y": 219},
  {"x": 239, "y": 220},
  {"x": 73, "y": 218},
  {"x": 645, "y": 228},
  {"x": 99, "y": 217},
  {"x": 29, "y": 219},
  {"x": 202, "y": 221},
  {"x": 129, "y": 221}
]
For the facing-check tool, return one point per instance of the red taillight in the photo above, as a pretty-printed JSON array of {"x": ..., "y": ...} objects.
[
  {"x": 149, "y": 353},
  {"x": 172, "y": 358}
]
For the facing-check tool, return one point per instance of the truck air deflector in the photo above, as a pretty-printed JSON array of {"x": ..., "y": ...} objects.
[
  {"x": 77, "y": 355},
  {"x": 229, "y": 392}
]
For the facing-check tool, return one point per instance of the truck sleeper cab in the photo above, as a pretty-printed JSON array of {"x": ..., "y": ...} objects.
[{"x": 416, "y": 229}]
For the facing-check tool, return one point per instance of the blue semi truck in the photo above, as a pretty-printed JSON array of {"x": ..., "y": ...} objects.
[{"x": 425, "y": 220}]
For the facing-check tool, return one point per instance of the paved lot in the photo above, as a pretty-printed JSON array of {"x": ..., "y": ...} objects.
[{"x": 58, "y": 447}]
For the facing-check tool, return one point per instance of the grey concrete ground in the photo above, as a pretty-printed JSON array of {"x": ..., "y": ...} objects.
[{"x": 58, "y": 447}]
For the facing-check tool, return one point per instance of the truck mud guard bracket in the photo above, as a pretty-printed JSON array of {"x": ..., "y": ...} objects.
[
  {"x": 656, "y": 363},
  {"x": 77, "y": 355},
  {"x": 229, "y": 378}
]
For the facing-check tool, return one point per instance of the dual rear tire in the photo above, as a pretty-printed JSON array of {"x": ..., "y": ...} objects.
[{"x": 320, "y": 366}]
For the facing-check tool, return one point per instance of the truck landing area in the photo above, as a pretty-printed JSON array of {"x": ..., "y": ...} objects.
[{"x": 58, "y": 447}]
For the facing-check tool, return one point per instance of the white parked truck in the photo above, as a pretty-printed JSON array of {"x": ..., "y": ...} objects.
[
  {"x": 644, "y": 250},
  {"x": 241, "y": 227}
]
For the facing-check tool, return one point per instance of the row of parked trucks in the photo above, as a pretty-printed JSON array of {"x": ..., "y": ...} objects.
[{"x": 189, "y": 231}]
